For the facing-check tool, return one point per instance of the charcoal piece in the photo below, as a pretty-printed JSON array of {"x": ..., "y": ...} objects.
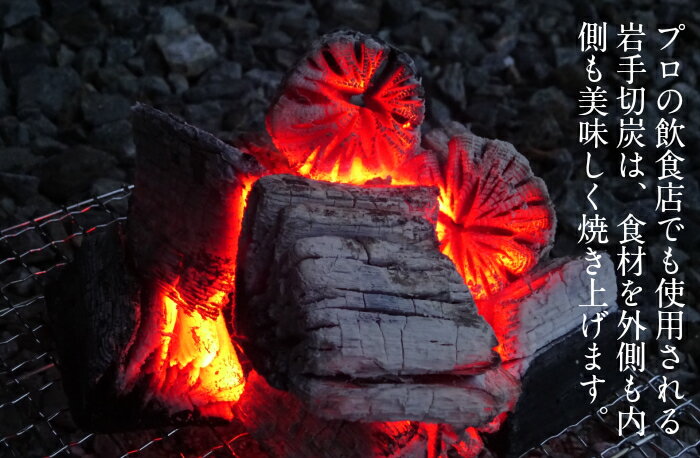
[
  {"x": 538, "y": 321},
  {"x": 344, "y": 299},
  {"x": 179, "y": 364},
  {"x": 552, "y": 397},
  {"x": 14, "y": 12},
  {"x": 93, "y": 314},
  {"x": 496, "y": 219},
  {"x": 353, "y": 104}
]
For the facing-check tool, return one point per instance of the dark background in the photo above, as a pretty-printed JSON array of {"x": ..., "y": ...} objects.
[{"x": 509, "y": 69}]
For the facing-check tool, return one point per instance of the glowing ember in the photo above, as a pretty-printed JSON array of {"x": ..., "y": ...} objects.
[
  {"x": 183, "y": 346},
  {"x": 350, "y": 111},
  {"x": 495, "y": 217},
  {"x": 190, "y": 358},
  {"x": 198, "y": 358}
]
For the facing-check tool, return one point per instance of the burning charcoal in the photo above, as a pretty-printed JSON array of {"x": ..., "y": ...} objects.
[
  {"x": 345, "y": 300},
  {"x": 285, "y": 428},
  {"x": 351, "y": 110},
  {"x": 538, "y": 323},
  {"x": 543, "y": 306},
  {"x": 496, "y": 218},
  {"x": 175, "y": 275},
  {"x": 92, "y": 326},
  {"x": 183, "y": 228},
  {"x": 307, "y": 309}
]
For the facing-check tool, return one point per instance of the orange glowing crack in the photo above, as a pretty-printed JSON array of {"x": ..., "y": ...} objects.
[
  {"x": 198, "y": 360},
  {"x": 188, "y": 358},
  {"x": 185, "y": 351}
]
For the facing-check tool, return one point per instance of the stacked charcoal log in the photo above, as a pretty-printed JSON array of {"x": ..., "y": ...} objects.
[
  {"x": 361, "y": 297},
  {"x": 71, "y": 69}
]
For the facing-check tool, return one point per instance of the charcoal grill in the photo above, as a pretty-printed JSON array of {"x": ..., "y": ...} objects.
[{"x": 34, "y": 415}]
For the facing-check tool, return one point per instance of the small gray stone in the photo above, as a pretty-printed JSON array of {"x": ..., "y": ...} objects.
[
  {"x": 362, "y": 16},
  {"x": 13, "y": 12},
  {"x": 13, "y": 132},
  {"x": 207, "y": 115},
  {"x": 123, "y": 17},
  {"x": 169, "y": 19},
  {"x": 477, "y": 77},
  {"x": 118, "y": 50},
  {"x": 19, "y": 187},
  {"x": 451, "y": 82},
  {"x": 99, "y": 108},
  {"x": 17, "y": 160},
  {"x": 438, "y": 111},
  {"x": 402, "y": 10},
  {"x": 217, "y": 91},
  {"x": 46, "y": 146},
  {"x": 153, "y": 86},
  {"x": 19, "y": 60},
  {"x": 63, "y": 8},
  {"x": 7, "y": 205},
  {"x": 69, "y": 175},
  {"x": 4, "y": 98},
  {"x": 88, "y": 60},
  {"x": 117, "y": 79},
  {"x": 49, "y": 89},
  {"x": 42, "y": 31},
  {"x": 188, "y": 54},
  {"x": 115, "y": 137},
  {"x": 566, "y": 56},
  {"x": 196, "y": 7},
  {"x": 82, "y": 28},
  {"x": 552, "y": 100},
  {"x": 178, "y": 82},
  {"x": 64, "y": 56},
  {"x": 224, "y": 72},
  {"x": 266, "y": 78},
  {"x": 136, "y": 64},
  {"x": 464, "y": 45},
  {"x": 39, "y": 125}
]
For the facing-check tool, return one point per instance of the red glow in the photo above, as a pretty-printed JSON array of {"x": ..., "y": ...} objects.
[
  {"x": 184, "y": 347},
  {"x": 492, "y": 231},
  {"x": 350, "y": 112},
  {"x": 502, "y": 311},
  {"x": 494, "y": 219}
]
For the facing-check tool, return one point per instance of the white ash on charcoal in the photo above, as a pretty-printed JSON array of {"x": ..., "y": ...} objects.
[
  {"x": 345, "y": 299},
  {"x": 92, "y": 358}
]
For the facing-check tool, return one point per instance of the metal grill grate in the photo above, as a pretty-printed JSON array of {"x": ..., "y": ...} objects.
[
  {"x": 34, "y": 416},
  {"x": 603, "y": 423}
]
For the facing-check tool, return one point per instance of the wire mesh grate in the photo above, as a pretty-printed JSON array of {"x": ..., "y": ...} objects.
[
  {"x": 597, "y": 434},
  {"x": 34, "y": 415}
]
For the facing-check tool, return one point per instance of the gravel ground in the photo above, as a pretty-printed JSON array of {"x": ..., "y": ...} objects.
[{"x": 510, "y": 70}]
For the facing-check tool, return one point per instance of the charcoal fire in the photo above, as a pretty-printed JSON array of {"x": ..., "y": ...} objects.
[{"x": 339, "y": 285}]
